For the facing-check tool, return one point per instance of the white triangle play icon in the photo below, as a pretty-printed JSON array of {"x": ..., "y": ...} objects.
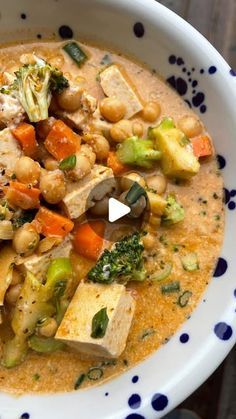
[{"x": 116, "y": 210}]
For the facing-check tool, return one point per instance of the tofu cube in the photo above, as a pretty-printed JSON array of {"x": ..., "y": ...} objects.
[
  {"x": 38, "y": 264},
  {"x": 80, "y": 196},
  {"x": 10, "y": 151},
  {"x": 76, "y": 326},
  {"x": 115, "y": 82}
]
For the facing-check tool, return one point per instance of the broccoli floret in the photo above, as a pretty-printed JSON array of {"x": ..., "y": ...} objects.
[
  {"x": 34, "y": 85},
  {"x": 138, "y": 152},
  {"x": 174, "y": 212},
  {"x": 124, "y": 262}
]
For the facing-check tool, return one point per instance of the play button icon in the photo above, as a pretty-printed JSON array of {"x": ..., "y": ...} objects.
[{"x": 116, "y": 210}]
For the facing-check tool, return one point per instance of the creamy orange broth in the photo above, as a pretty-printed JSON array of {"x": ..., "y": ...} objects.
[{"x": 157, "y": 316}]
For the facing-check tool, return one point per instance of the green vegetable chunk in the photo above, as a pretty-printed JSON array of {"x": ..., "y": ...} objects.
[
  {"x": 95, "y": 373},
  {"x": 162, "y": 274},
  {"x": 34, "y": 85},
  {"x": 58, "y": 277},
  {"x": 99, "y": 324},
  {"x": 190, "y": 262},
  {"x": 68, "y": 163},
  {"x": 31, "y": 306},
  {"x": 134, "y": 193},
  {"x": 45, "y": 345},
  {"x": 177, "y": 158},
  {"x": 76, "y": 53},
  {"x": 125, "y": 261},
  {"x": 174, "y": 212},
  {"x": 170, "y": 287},
  {"x": 138, "y": 152},
  {"x": 184, "y": 298},
  {"x": 14, "y": 352}
]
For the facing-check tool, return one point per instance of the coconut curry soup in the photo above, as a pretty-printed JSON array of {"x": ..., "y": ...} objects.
[{"x": 82, "y": 299}]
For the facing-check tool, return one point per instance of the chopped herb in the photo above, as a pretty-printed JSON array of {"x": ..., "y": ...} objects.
[
  {"x": 95, "y": 373},
  {"x": 215, "y": 196},
  {"x": 202, "y": 213},
  {"x": 217, "y": 217},
  {"x": 106, "y": 59},
  {"x": 36, "y": 377},
  {"x": 108, "y": 363},
  {"x": 13, "y": 176},
  {"x": 79, "y": 381},
  {"x": 99, "y": 324},
  {"x": 170, "y": 287},
  {"x": 184, "y": 298},
  {"x": 147, "y": 332},
  {"x": 68, "y": 163},
  {"x": 125, "y": 362},
  {"x": 176, "y": 247},
  {"x": 204, "y": 201},
  {"x": 184, "y": 141},
  {"x": 25, "y": 217},
  {"x": 190, "y": 262},
  {"x": 163, "y": 240}
]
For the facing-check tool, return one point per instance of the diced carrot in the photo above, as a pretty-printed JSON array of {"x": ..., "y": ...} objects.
[
  {"x": 50, "y": 223},
  {"x": 61, "y": 141},
  {"x": 202, "y": 146},
  {"x": 25, "y": 134},
  {"x": 115, "y": 164},
  {"x": 88, "y": 239},
  {"x": 20, "y": 195}
]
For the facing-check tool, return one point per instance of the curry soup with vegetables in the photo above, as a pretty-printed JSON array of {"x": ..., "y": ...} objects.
[{"x": 83, "y": 299}]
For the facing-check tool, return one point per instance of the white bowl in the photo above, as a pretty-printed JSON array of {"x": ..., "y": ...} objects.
[{"x": 177, "y": 369}]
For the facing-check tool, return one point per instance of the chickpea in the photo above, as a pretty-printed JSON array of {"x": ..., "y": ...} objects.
[
  {"x": 70, "y": 98},
  {"x": 154, "y": 220},
  {"x": 99, "y": 144},
  {"x": 25, "y": 240},
  {"x": 127, "y": 181},
  {"x": 53, "y": 186},
  {"x": 82, "y": 168},
  {"x": 101, "y": 207},
  {"x": 158, "y": 183},
  {"x": 13, "y": 293},
  {"x": 149, "y": 241},
  {"x": 17, "y": 277},
  {"x": 112, "y": 109},
  {"x": 49, "y": 328},
  {"x": 43, "y": 127},
  {"x": 51, "y": 164},
  {"x": 190, "y": 125},
  {"x": 27, "y": 170},
  {"x": 151, "y": 111},
  {"x": 121, "y": 130},
  {"x": 137, "y": 128},
  {"x": 87, "y": 151}
]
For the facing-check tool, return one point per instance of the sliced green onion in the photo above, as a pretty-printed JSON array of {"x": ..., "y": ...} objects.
[
  {"x": 184, "y": 298},
  {"x": 95, "y": 373},
  {"x": 170, "y": 287},
  {"x": 147, "y": 332},
  {"x": 99, "y": 324},
  {"x": 190, "y": 262},
  {"x": 135, "y": 192},
  {"x": 45, "y": 345},
  {"x": 79, "y": 381},
  {"x": 68, "y": 163},
  {"x": 163, "y": 274},
  {"x": 76, "y": 53}
]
